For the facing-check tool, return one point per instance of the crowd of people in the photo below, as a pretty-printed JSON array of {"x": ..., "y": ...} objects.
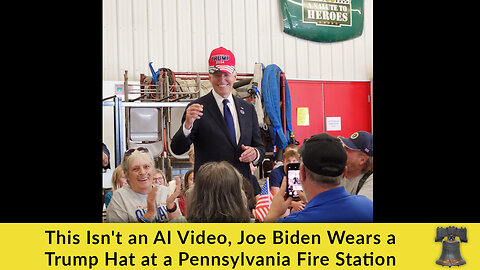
[{"x": 336, "y": 174}]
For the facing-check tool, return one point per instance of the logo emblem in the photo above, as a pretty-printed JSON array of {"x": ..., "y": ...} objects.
[
  {"x": 220, "y": 58},
  {"x": 354, "y": 136},
  {"x": 323, "y": 20},
  {"x": 327, "y": 12},
  {"x": 451, "y": 247}
]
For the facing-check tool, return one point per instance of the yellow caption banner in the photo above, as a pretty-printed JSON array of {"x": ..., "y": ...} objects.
[{"x": 229, "y": 246}]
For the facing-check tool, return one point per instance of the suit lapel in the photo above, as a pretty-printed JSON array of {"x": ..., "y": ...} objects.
[
  {"x": 214, "y": 111},
  {"x": 218, "y": 117},
  {"x": 242, "y": 121}
]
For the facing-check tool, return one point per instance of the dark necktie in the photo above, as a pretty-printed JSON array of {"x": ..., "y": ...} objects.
[{"x": 227, "y": 115}]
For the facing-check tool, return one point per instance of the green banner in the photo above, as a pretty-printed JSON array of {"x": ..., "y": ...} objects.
[{"x": 323, "y": 20}]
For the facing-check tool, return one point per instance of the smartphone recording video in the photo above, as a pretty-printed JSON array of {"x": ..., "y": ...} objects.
[{"x": 293, "y": 179}]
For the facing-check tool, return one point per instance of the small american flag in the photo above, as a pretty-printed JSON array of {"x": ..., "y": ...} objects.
[{"x": 264, "y": 202}]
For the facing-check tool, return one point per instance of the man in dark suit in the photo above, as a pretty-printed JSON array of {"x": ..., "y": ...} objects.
[{"x": 220, "y": 125}]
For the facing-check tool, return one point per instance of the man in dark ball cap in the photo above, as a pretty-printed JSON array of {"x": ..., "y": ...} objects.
[
  {"x": 358, "y": 178},
  {"x": 321, "y": 170}
]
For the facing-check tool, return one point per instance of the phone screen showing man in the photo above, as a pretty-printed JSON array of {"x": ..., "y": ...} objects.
[{"x": 293, "y": 183}]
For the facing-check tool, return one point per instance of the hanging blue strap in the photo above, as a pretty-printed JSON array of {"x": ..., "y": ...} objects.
[
  {"x": 154, "y": 74},
  {"x": 273, "y": 142},
  {"x": 256, "y": 90},
  {"x": 271, "y": 99},
  {"x": 288, "y": 113}
]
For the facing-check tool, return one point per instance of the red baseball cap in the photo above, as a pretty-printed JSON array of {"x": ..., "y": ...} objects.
[{"x": 221, "y": 59}]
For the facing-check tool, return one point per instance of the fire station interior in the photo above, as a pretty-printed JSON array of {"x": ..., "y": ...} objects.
[
  {"x": 155, "y": 61},
  {"x": 148, "y": 112}
]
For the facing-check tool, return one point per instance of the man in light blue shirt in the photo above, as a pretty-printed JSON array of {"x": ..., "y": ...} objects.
[{"x": 321, "y": 170}]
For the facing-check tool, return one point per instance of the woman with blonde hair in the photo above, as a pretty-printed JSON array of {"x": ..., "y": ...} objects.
[
  {"x": 159, "y": 178},
  {"x": 118, "y": 180},
  {"x": 217, "y": 195},
  {"x": 186, "y": 185}
]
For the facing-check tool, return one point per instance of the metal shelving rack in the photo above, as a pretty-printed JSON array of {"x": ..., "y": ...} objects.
[{"x": 164, "y": 94}]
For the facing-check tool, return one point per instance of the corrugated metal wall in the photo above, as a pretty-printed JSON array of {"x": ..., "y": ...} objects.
[{"x": 180, "y": 35}]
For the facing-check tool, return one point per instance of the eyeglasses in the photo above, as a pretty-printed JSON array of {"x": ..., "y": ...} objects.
[
  {"x": 221, "y": 74},
  {"x": 130, "y": 151}
]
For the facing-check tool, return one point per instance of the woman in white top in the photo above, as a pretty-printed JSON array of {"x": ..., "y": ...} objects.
[{"x": 140, "y": 200}]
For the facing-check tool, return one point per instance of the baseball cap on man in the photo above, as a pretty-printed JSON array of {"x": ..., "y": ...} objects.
[
  {"x": 324, "y": 154},
  {"x": 221, "y": 59},
  {"x": 360, "y": 140}
]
